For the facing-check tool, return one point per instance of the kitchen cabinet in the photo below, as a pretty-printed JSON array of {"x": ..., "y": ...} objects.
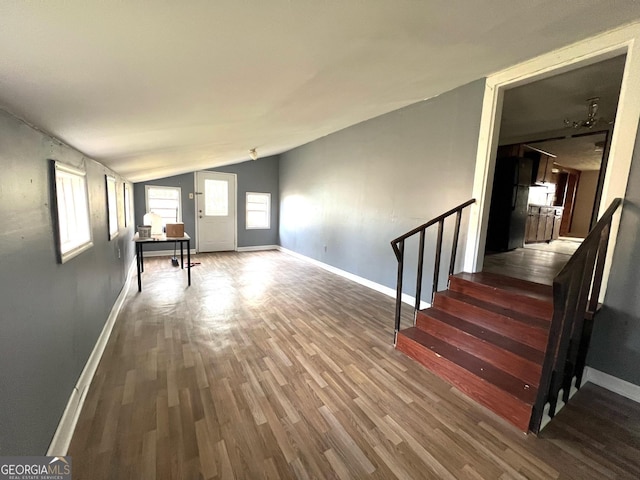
[
  {"x": 544, "y": 173},
  {"x": 543, "y": 223}
]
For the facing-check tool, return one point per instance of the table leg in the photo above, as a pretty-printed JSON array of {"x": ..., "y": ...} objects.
[
  {"x": 189, "y": 261},
  {"x": 181, "y": 254},
  {"x": 139, "y": 264}
]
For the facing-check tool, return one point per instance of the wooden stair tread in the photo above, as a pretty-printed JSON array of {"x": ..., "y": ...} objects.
[
  {"x": 525, "y": 319},
  {"x": 515, "y": 387},
  {"x": 534, "y": 299},
  {"x": 503, "y": 352},
  {"x": 518, "y": 286},
  {"x": 519, "y": 327}
]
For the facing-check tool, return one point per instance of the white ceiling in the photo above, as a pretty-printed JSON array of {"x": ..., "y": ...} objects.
[
  {"x": 538, "y": 110},
  {"x": 579, "y": 153},
  {"x": 159, "y": 88}
]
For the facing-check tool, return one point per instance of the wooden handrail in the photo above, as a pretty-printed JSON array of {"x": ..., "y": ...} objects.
[
  {"x": 398, "y": 248},
  {"x": 426, "y": 225},
  {"x": 575, "y": 298}
]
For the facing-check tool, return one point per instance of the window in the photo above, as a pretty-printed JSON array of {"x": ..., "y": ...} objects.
[
  {"x": 164, "y": 201},
  {"x": 112, "y": 207},
  {"x": 71, "y": 211},
  {"x": 127, "y": 205},
  {"x": 258, "y": 210}
]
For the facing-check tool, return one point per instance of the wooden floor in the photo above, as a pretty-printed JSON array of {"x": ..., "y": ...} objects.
[
  {"x": 269, "y": 367},
  {"x": 536, "y": 262}
]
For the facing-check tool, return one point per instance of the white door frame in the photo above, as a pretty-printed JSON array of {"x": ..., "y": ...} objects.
[
  {"x": 607, "y": 45},
  {"x": 195, "y": 209}
]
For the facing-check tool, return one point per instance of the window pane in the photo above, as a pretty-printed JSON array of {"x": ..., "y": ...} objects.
[
  {"x": 216, "y": 198},
  {"x": 258, "y": 210},
  {"x": 112, "y": 207},
  {"x": 74, "y": 229},
  {"x": 163, "y": 193},
  {"x": 256, "y": 198},
  {"x": 127, "y": 206},
  {"x": 165, "y": 202}
]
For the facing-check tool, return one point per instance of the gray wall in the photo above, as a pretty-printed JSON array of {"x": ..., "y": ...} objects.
[
  {"x": 615, "y": 345},
  {"x": 253, "y": 176},
  {"x": 185, "y": 182},
  {"x": 345, "y": 196},
  {"x": 260, "y": 176},
  {"x": 52, "y": 314}
]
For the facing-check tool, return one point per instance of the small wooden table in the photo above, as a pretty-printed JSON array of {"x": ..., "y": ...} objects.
[{"x": 162, "y": 239}]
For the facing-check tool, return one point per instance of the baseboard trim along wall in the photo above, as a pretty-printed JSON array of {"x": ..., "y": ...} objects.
[
  {"x": 408, "y": 299},
  {"x": 61, "y": 439},
  {"x": 165, "y": 253},
  {"x": 614, "y": 384},
  {"x": 258, "y": 248}
]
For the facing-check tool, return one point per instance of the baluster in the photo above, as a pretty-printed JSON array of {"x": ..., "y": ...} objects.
[
  {"x": 399, "y": 290},
  {"x": 454, "y": 247},
  {"x": 436, "y": 267},
  {"x": 419, "y": 280}
]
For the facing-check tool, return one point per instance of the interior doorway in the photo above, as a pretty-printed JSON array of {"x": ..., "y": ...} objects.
[
  {"x": 550, "y": 166},
  {"x": 216, "y": 211}
]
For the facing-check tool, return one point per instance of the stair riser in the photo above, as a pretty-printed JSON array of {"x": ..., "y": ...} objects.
[
  {"x": 512, "y": 301},
  {"x": 513, "y": 410},
  {"x": 506, "y": 361},
  {"x": 508, "y": 327}
]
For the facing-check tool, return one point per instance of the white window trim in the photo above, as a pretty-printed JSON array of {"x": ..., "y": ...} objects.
[
  {"x": 64, "y": 257},
  {"x": 112, "y": 207},
  {"x": 146, "y": 198},
  {"x": 246, "y": 211},
  {"x": 128, "y": 221}
]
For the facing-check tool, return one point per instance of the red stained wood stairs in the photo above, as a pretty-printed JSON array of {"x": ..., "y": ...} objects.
[{"x": 487, "y": 336}]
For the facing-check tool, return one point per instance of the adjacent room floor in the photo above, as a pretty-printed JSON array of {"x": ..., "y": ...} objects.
[
  {"x": 536, "y": 262},
  {"x": 270, "y": 367}
]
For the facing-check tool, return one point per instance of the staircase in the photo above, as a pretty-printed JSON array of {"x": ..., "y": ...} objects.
[
  {"x": 518, "y": 348},
  {"x": 487, "y": 335}
]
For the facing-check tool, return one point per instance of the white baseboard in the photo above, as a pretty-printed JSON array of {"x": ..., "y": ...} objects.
[
  {"x": 61, "y": 439},
  {"x": 165, "y": 253},
  {"x": 408, "y": 299},
  {"x": 614, "y": 384},
  {"x": 258, "y": 248}
]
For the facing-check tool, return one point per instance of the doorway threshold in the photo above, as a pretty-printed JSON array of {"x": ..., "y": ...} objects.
[{"x": 535, "y": 262}]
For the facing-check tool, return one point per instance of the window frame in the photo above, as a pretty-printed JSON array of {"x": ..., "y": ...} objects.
[
  {"x": 128, "y": 221},
  {"x": 63, "y": 255},
  {"x": 267, "y": 195},
  {"x": 164, "y": 187},
  {"x": 112, "y": 206}
]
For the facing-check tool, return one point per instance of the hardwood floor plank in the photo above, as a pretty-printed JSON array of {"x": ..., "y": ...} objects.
[{"x": 267, "y": 367}]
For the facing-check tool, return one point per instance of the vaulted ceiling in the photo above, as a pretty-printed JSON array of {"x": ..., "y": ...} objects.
[{"x": 158, "y": 88}]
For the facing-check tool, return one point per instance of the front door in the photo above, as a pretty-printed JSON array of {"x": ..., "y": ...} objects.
[{"x": 216, "y": 211}]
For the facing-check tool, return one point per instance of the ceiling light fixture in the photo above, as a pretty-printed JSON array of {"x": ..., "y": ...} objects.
[
  {"x": 591, "y": 120},
  {"x": 253, "y": 154}
]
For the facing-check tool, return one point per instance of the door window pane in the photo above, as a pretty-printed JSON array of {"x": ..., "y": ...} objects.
[{"x": 216, "y": 198}]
